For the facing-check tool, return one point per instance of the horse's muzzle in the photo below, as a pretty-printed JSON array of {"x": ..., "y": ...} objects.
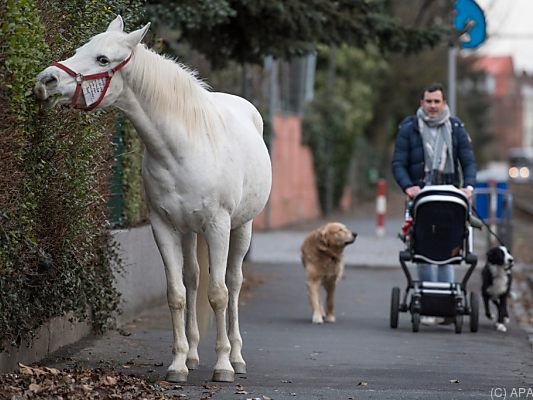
[
  {"x": 40, "y": 92},
  {"x": 46, "y": 82}
]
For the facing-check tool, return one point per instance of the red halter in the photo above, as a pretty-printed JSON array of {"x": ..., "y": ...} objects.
[{"x": 81, "y": 78}]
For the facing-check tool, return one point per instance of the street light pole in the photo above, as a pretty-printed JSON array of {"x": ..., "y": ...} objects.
[{"x": 452, "y": 78}]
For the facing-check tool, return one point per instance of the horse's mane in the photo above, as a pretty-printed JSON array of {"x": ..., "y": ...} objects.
[{"x": 172, "y": 88}]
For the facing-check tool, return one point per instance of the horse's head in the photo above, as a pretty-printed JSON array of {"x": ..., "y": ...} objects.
[{"x": 84, "y": 80}]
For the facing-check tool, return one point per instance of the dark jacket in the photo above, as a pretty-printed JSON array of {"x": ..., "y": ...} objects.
[{"x": 408, "y": 159}]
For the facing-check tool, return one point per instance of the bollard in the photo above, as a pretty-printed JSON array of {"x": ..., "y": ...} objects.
[{"x": 381, "y": 207}]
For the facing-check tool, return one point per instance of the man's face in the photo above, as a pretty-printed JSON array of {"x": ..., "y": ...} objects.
[{"x": 433, "y": 103}]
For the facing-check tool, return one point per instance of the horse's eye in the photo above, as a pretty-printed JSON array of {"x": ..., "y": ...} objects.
[{"x": 102, "y": 60}]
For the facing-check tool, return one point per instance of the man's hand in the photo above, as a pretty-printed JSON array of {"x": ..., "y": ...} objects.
[
  {"x": 412, "y": 191},
  {"x": 468, "y": 191}
]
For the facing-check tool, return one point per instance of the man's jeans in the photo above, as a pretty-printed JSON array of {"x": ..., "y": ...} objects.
[{"x": 435, "y": 273}]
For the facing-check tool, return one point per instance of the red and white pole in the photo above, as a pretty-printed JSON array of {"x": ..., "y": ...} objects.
[{"x": 381, "y": 207}]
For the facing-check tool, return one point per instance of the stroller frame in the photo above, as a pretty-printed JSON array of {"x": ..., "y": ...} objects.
[{"x": 440, "y": 299}]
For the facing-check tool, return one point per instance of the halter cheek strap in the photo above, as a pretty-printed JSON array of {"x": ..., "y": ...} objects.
[{"x": 80, "y": 78}]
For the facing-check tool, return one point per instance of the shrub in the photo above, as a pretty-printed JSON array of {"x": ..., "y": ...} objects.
[{"x": 55, "y": 252}]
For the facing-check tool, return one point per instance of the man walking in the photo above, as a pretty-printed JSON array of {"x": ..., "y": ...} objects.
[{"x": 433, "y": 148}]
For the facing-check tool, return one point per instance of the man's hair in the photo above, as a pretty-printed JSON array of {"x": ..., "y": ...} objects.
[{"x": 434, "y": 87}]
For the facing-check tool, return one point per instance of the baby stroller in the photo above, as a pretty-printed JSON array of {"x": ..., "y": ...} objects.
[{"x": 438, "y": 233}]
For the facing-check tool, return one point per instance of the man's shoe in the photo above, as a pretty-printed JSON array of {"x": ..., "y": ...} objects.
[
  {"x": 426, "y": 320},
  {"x": 447, "y": 321}
]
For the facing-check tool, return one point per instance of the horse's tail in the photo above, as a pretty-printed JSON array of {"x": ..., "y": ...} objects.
[{"x": 203, "y": 308}]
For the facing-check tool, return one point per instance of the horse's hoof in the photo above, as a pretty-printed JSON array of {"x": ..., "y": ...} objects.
[
  {"x": 223, "y": 375},
  {"x": 239, "y": 368},
  {"x": 176, "y": 376},
  {"x": 192, "y": 363}
]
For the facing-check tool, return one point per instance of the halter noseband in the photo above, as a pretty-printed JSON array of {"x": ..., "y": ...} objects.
[{"x": 107, "y": 75}]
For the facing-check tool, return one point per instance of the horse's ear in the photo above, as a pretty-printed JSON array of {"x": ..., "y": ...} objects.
[
  {"x": 116, "y": 25},
  {"x": 135, "y": 37}
]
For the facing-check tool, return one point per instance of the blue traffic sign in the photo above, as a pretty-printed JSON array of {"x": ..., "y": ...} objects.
[{"x": 470, "y": 17}]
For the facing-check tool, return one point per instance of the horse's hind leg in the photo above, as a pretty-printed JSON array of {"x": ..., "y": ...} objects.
[
  {"x": 191, "y": 272},
  {"x": 238, "y": 246},
  {"x": 170, "y": 248},
  {"x": 217, "y": 236}
]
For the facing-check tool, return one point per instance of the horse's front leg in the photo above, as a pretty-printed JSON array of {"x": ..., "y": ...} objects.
[
  {"x": 238, "y": 246},
  {"x": 217, "y": 236},
  {"x": 169, "y": 244},
  {"x": 191, "y": 272}
]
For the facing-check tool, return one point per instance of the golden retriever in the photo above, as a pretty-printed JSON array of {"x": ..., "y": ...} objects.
[{"x": 322, "y": 258}]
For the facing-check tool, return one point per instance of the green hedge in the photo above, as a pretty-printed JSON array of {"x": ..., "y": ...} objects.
[
  {"x": 135, "y": 210},
  {"x": 55, "y": 250}
]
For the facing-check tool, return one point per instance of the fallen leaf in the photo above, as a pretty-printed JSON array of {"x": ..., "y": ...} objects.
[
  {"x": 109, "y": 381},
  {"x": 362, "y": 384},
  {"x": 454, "y": 380},
  {"x": 53, "y": 371},
  {"x": 24, "y": 369},
  {"x": 79, "y": 383},
  {"x": 35, "y": 388},
  {"x": 87, "y": 388}
]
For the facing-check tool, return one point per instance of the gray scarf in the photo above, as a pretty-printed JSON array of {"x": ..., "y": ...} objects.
[{"x": 438, "y": 149}]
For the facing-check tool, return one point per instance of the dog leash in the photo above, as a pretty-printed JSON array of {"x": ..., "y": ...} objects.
[{"x": 480, "y": 218}]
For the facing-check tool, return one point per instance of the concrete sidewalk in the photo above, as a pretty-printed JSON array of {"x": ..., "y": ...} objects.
[{"x": 288, "y": 357}]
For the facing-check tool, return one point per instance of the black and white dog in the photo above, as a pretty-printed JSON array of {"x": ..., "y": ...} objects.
[{"x": 496, "y": 283}]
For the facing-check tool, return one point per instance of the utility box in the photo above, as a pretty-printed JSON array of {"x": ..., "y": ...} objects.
[
  {"x": 482, "y": 199},
  {"x": 493, "y": 203}
]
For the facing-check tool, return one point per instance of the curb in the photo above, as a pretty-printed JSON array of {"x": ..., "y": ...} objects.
[
  {"x": 141, "y": 284},
  {"x": 51, "y": 336}
]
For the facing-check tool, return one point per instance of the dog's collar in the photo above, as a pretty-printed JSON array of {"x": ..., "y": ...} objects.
[{"x": 331, "y": 255}]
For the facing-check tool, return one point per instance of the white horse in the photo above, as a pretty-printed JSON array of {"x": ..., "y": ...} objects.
[{"x": 206, "y": 172}]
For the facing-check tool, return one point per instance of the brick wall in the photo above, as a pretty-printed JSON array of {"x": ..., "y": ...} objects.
[{"x": 293, "y": 197}]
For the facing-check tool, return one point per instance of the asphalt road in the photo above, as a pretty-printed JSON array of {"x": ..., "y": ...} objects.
[{"x": 358, "y": 357}]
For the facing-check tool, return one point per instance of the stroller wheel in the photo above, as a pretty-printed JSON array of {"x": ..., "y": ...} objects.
[
  {"x": 394, "y": 307},
  {"x": 474, "y": 312},
  {"x": 415, "y": 318},
  {"x": 458, "y": 323}
]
